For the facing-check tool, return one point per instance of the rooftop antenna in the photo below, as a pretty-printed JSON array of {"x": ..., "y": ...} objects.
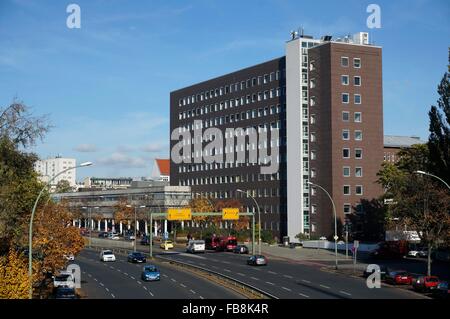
[{"x": 302, "y": 31}]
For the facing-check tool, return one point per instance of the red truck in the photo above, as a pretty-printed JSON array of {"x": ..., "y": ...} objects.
[
  {"x": 391, "y": 250},
  {"x": 225, "y": 243}
]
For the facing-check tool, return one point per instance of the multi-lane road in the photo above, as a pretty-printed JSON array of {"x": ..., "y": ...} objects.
[
  {"x": 287, "y": 280},
  {"x": 122, "y": 280},
  {"x": 282, "y": 279}
]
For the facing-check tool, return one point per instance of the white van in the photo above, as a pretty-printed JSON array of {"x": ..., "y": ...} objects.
[
  {"x": 107, "y": 255},
  {"x": 64, "y": 279},
  {"x": 196, "y": 246}
]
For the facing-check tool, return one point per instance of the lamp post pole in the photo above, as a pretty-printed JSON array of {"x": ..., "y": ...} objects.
[
  {"x": 436, "y": 177},
  {"x": 30, "y": 234},
  {"x": 335, "y": 223},
  {"x": 259, "y": 222}
]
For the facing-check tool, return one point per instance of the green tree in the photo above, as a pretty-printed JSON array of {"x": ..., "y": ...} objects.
[
  {"x": 63, "y": 186},
  {"x": 421, "y": 203},
  {"x": 439, "y": 139}
]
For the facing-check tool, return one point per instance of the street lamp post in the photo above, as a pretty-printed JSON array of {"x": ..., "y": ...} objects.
[
  {"x": 335, "y": 223},
  {"x": 135, "y": 222},
  {"x": 436, "y": 177},
  {"x": 30, "y": 235},
  {"x": 259, "y": 222},
  {"x": 90, "y": 222}
]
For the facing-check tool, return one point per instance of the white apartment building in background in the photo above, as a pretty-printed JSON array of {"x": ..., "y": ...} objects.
[{"x": 49, "y": 168}]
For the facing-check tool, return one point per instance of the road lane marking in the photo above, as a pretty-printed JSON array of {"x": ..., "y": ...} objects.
[
  {"x": 111, "y": 267},
  {"x": 307, "y": 281},
  {"x": 272, "y": 272},
  {"x": 323, "y": 286},
  {"x": 145, "y": 288},
  {"x": 113, "y": 296},
  {"x": 270, "y": 283},
  {"x": 240, "y": 274},
  {"x": 215, "y": 267},
  {"x": 192, "y": 291},
  {"x": 150, "y": 293},
  {"x": 107, "y": 289},
  {"x": 101, "y": 284},
  {"x": 345, "y": 293},
  {"x": 182, "y": 285},
  {"x": 287, "y": 276},
  {"x": 254, "y": 278},
  {"x": 227, "y": 270},
  {"x": 173, "y": 280},
  {"x": 303, "y": 295},
  {"x": 201, "y": 297},
  {"x": 132, "y": 277},
  {"x": 226, "y": 262},
  {"x": 165, "y": 275},
  {"x": 140, "y": 283},
  {"x": 119, "y": 270},
  {"x": 95, "y": 279},
  {"x": 286, "y": 289},
  {"x": 201, "y": 264},
  {"x": 126, "y": 274},
  {"x": 89, "y": 275}
]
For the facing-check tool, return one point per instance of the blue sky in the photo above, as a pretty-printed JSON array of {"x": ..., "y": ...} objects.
[{"x": 106, "y": 86}]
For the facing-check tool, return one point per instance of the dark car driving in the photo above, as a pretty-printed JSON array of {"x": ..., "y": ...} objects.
[
  {"x": 136, "y": 257},
  {"x": 65, "y": 293},
  {"x": 241, "y": 249}
]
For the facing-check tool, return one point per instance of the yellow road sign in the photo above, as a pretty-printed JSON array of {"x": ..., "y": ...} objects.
[
  {"x": 179, "y": 214},
  {"x": 230, "y": 213}
]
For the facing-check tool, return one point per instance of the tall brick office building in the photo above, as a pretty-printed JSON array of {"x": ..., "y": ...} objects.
[{"x": 325, "y": 97}]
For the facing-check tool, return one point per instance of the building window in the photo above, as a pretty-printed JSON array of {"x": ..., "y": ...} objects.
[
  {"x": 358, "y": 153},
  {"x": 347, "y": 190},
  {"x": 313, "y": 119},
  {"x": 345, "y": 116},
  {"x": 313, "y": 209},
  {"x": 345, "y": 135},
  {"x": 358, "y": 172},
  {"x": 313, "y": 191},
  {"x": 344, "y": 61},
  {"x": 313, "y": 155},
  {"x": 357, "y": 63},
  {"x": 359, "y": 190},
  {"x": 346, "y": 171},
  {"x": 345, "y": 98},
  {"x": 347, "y": 209},
  {"x": 358, "y": 135},
  {"x": 313, "y": 173},
  {"x": 357, "y": 81},
  {"x": 344, "y": 79},
  {"x": 313, "y": 137},
  {"x": 357, "y": 98},
  {"x": 346, "y": 153},
  {"x": 358, "y": 117}
]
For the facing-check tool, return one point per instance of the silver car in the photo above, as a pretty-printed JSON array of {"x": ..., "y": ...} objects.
[{"x": 257, "y": 260}]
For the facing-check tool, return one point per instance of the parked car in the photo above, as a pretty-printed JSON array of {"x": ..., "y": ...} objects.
[
  {"x": 257, "y": 260},
  {"x": 425, "y": 283},
  {"x": 398, "y": 277},
  {"x": 423, "y": 253},
  {"x": 103, "y": 234},
  {"x": 65, "y": 293},
  {"x": 167, "y": 244},
  {"x": 241, "y": 249},
  {"x": 64, "y": 279},
  {"x": 145, "y": 240},
  {"x": 195, "y": 246},
  {"x": 107, "y": 255},
  {"x": 383, "y": 271},
  {"x": 130, "y": 237},
  {"x": 113, "y": 236},
  {"x": 136, "y": 257},
  {"x": 150, "y": 273},
  {"x": 442, "y": 290}
]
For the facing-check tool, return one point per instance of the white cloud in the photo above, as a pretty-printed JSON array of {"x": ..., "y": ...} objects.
[
  {"x": 86, "y": 148},
  {"x": 154, "y": 148},
  {"x": 123, "y": 160}
]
